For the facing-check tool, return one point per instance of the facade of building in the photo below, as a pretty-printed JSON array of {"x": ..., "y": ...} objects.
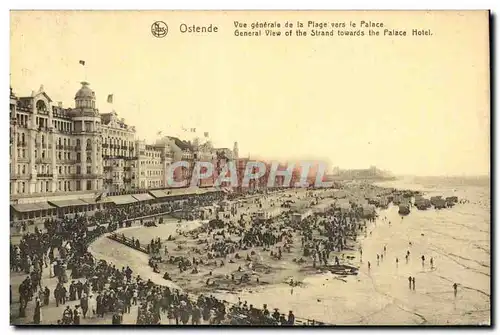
[
  {"x": 153, "y": 162},
  {"x": 62, "y": 160},
  {"x": 54, "y": 150},
  {"x": 119, "y": 154}
]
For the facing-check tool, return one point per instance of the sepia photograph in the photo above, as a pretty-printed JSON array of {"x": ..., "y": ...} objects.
[{"x": 250, "y": 168}]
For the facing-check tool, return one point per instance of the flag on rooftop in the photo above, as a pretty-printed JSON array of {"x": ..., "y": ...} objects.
[
  {"x": 82, "y": 62},
  {"x": 110, "y": 98}
]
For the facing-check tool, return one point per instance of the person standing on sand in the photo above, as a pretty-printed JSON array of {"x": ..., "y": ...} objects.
[
  {"x": 432, "y": 263},
  {"x": 455, "y": 287},
  {"x": 413, "y": 283},
  {"x": 423, "y": 260},
  {"x": 385, "y": 249},
  {"x": 409, "y": 282},
  {"x": 369, "y": 266},
  {"x": 397, "y": 262}
]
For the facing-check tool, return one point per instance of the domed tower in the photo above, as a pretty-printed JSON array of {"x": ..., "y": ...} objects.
[
  {"x": 85, "y": 98},
  {"x": 87, "y": 131}
]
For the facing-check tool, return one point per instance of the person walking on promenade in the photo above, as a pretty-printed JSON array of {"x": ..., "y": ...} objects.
[
  {"x": 432, "y": 263},
  {"x": 409, "y": 282},
  {"x": 423, "y": 260},
  {"x": 37, "y": 316},
  {"x": 455, "y": 287},
  {"x": 378, "y": 259},
  {"x": 413, "y": 283},
  {"x": 369, "y": 266},
  {"x": 406, "y": 257},
  {"x": 397, "y": 262},
  {"x": 385, "y": 249}
]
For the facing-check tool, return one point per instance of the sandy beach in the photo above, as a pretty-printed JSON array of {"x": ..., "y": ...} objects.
[{"x": 457, "y": 239}]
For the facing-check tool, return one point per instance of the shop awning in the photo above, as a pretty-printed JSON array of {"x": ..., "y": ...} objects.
[
  {"x": 68, "y": 203},
  {"x": 158, "y": 193},
  {"x": 174, "y": 192},
  {"x": 91, "y": 201},
  {"x": 122, "y": 199},
  {"x": 22, "y": 208},
  {"x": 142, "y": 196}
]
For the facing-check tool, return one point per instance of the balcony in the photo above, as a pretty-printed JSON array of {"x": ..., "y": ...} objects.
[
  {"x": 85, "y": 131},
  {"x": 127, "y": 169},
  {"x": 127, "y": 180},
  {"x": 123, "y": 147},
  {"x": 86, "y": 176},
  {"x": 59, "y": 147},
  {"x": 45, "y": 175},
  {"x": 46, "y": 160},
  {"x": 105, "y": 145},
  {"x": 20, "y": 176},
  {"x": 108, "y": 168},
  {"x": 77, "y": 148}
]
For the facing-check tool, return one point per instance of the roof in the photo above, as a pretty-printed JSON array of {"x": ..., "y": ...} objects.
[
  {"x": 31, "y": 207},
  {"x": 67, "y": 203},
  {"x": 122, "y": 199},
  {"x": 85, "y": 92},
  {"x": 158, "y": 193},
  {"x": 183, "y": 145},
  {"x": 105, "y": 118},
  {"x": 142, "y": 196}
]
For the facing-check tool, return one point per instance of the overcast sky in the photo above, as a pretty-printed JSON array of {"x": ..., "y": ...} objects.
[{"x": 412, "y": 105}]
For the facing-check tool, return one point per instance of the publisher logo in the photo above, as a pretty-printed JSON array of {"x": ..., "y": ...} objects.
[{"x": 159, "y": 29}]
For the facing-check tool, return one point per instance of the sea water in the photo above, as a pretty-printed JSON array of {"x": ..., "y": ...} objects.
[{"x": 458, "y": 240}]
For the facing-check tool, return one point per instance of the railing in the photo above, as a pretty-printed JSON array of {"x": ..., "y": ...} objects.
[
  {"x": 20, "y": 176},
  {"x": 45, "y": 175},
  {"x": 86, "y": 176},
  {"x": 128, "y": 242}
]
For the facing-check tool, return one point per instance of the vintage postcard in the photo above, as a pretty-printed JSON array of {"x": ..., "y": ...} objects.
[{"x": 265, "y": 168}]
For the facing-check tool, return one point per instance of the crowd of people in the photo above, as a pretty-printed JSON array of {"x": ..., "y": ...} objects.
[{"x": 102, "y": 289}]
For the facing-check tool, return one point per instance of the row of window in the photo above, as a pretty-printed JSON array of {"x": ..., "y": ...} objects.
[
  {"x": 45, "y": 186},
  {"x": 22, "y": 169},
  {"x": 152, "y": 184}
]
